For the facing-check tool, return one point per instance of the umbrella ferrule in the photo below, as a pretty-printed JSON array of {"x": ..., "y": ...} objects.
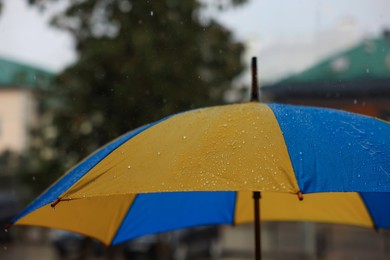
[
  {"x": 255, "y": 87},
  {"x": 55, "y": 203}
]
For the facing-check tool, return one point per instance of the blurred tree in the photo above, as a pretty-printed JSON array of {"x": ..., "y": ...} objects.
[{"x": 138, "y": 61}]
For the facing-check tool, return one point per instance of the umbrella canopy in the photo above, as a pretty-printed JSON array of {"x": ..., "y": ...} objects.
[{"x": 201, "y": 167}]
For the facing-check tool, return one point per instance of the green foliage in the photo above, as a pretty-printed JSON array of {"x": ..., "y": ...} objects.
[{"x": 138, "y": 62}]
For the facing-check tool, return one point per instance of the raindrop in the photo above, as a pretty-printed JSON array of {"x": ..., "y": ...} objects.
[
  {"x": 5, "y": 248},
  {"x": 184, "y": 137},
  {"x": 159, "y": 153},
  {"x": 225, "y": 125},
  {"x": 358, "y": 176},
  {"x": 5, "y": 230},
  {"x": 34, "y": 178},
  {"x": 128, "y": 167},
  {"x": 243, "y": 142},
  {"x": 355, "y": 101},
  {"x": 151, "y": 13},
  {"x": 367, "y": 70}
]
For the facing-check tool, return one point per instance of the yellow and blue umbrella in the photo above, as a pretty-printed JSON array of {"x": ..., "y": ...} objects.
[{"x": 201, "y": 167}]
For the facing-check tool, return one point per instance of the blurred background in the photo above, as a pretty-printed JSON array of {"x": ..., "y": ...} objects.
[{"x": 76, "y": 74}]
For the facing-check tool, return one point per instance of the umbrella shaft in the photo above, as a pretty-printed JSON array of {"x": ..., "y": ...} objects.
[
  {"x": 256, "y": 200},
  {"x": 255, "y": 87}
]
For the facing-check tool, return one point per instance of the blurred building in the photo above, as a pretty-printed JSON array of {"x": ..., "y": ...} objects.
[
  {"x": 357, "y": 80},
  {"x": 18, "y": 107}
]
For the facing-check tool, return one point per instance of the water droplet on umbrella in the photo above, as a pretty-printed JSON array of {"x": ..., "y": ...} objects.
[
  {"x": 158, "y": 153},
  {"x": 184, "y": 137},
  {"x": 128, "y": 167}
]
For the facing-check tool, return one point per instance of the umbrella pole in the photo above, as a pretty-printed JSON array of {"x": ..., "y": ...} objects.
[
  {"x": 256, "y": 200},
  {"x": 256, "y": 194}
]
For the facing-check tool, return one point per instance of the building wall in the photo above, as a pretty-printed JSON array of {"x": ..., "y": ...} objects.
[{"x": 17, "y": 114}]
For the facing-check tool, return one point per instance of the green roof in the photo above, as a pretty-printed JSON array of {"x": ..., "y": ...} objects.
[
  {"x": 368, "y": 60},
  {"x": 15, "y": 74}
]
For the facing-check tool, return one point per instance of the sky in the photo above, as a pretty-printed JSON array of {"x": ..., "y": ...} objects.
[{"x": 287, "y": 36}]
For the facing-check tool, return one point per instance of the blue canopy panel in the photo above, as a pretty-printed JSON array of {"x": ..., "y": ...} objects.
[
  {"x": 152, "y": 213},
  {"x": 321, "y": 141},
  {"x": 377, "y": 204}
]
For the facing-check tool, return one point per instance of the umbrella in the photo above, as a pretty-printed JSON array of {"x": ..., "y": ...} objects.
[{"x": 208, "y": 166}]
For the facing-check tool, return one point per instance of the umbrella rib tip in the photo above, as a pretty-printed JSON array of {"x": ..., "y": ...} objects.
[
  {"x": 8, "y": 225},
  {"x": 55, "y": 203},
  {"x": 300, "y": 195}
]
